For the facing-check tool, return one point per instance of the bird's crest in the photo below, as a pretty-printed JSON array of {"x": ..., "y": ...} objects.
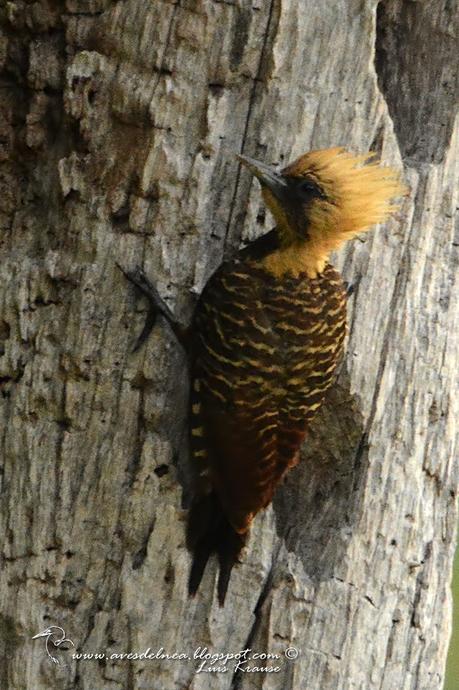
[{"x": 360, "y": 192}]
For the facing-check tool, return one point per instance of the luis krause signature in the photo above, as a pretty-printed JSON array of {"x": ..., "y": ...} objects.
[{"x": 54, "y": 636}]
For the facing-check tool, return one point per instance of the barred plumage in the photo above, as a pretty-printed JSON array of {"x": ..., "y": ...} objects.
[{"x": 262, "y": 379}]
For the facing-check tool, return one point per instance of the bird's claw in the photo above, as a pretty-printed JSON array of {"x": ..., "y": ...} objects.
[
  {"x": 156, "y": 304},
  {"x": 350, "y": 288}
]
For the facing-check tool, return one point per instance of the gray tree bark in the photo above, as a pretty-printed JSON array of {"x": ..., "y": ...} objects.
[{"x": 115, "y": 126}]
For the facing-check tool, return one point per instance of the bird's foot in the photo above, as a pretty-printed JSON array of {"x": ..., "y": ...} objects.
[
  {"x": 350, "y": 288},
  {"x": 156, "y": 306}
]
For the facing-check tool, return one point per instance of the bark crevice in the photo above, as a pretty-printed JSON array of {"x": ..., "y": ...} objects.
[{"x": 422, "y": 101}]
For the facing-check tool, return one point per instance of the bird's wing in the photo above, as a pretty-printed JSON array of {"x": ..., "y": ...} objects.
[{"x": 235, "y": 395}]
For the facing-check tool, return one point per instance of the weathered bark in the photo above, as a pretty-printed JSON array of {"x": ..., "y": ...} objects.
[{"x": 116, "y": 120}]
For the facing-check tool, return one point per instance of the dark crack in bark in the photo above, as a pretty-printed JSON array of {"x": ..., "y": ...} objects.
[{"x": 417, "y": 62}]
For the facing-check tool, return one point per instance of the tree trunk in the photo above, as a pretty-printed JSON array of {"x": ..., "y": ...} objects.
[{"x": 117, "y": 124}]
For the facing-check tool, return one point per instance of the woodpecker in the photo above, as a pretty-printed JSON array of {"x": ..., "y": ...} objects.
[{"x": 266, "y": 337}]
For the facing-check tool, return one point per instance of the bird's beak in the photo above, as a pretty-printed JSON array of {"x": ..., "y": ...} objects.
[
  {"x": 268, "y": 177},
  {"x": 41, "y": 634}
]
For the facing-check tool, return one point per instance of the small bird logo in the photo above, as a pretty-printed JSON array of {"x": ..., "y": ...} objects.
[{"x": 56, "y": 636}]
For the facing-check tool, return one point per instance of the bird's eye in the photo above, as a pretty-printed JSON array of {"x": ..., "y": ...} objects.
[{"x": 307, "y": 188}]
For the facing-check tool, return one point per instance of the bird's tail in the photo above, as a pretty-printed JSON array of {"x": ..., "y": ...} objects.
[{"x": 209, "y": 531}]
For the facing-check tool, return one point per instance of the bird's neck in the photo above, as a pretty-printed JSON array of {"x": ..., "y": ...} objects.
[{"x": 294, "y": 257}]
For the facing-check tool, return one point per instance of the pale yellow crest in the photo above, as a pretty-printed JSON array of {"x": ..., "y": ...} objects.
[{"x": 360, "y": 193}]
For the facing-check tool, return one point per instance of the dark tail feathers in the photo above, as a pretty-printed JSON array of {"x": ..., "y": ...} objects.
[{"x": 209, "y": 531}]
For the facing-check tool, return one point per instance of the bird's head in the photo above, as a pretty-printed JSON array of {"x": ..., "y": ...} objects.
[
  {"x": 44, "y": 633},
  {"x": 52, "y": 630},
  {"x": 326, "y": 197}
]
